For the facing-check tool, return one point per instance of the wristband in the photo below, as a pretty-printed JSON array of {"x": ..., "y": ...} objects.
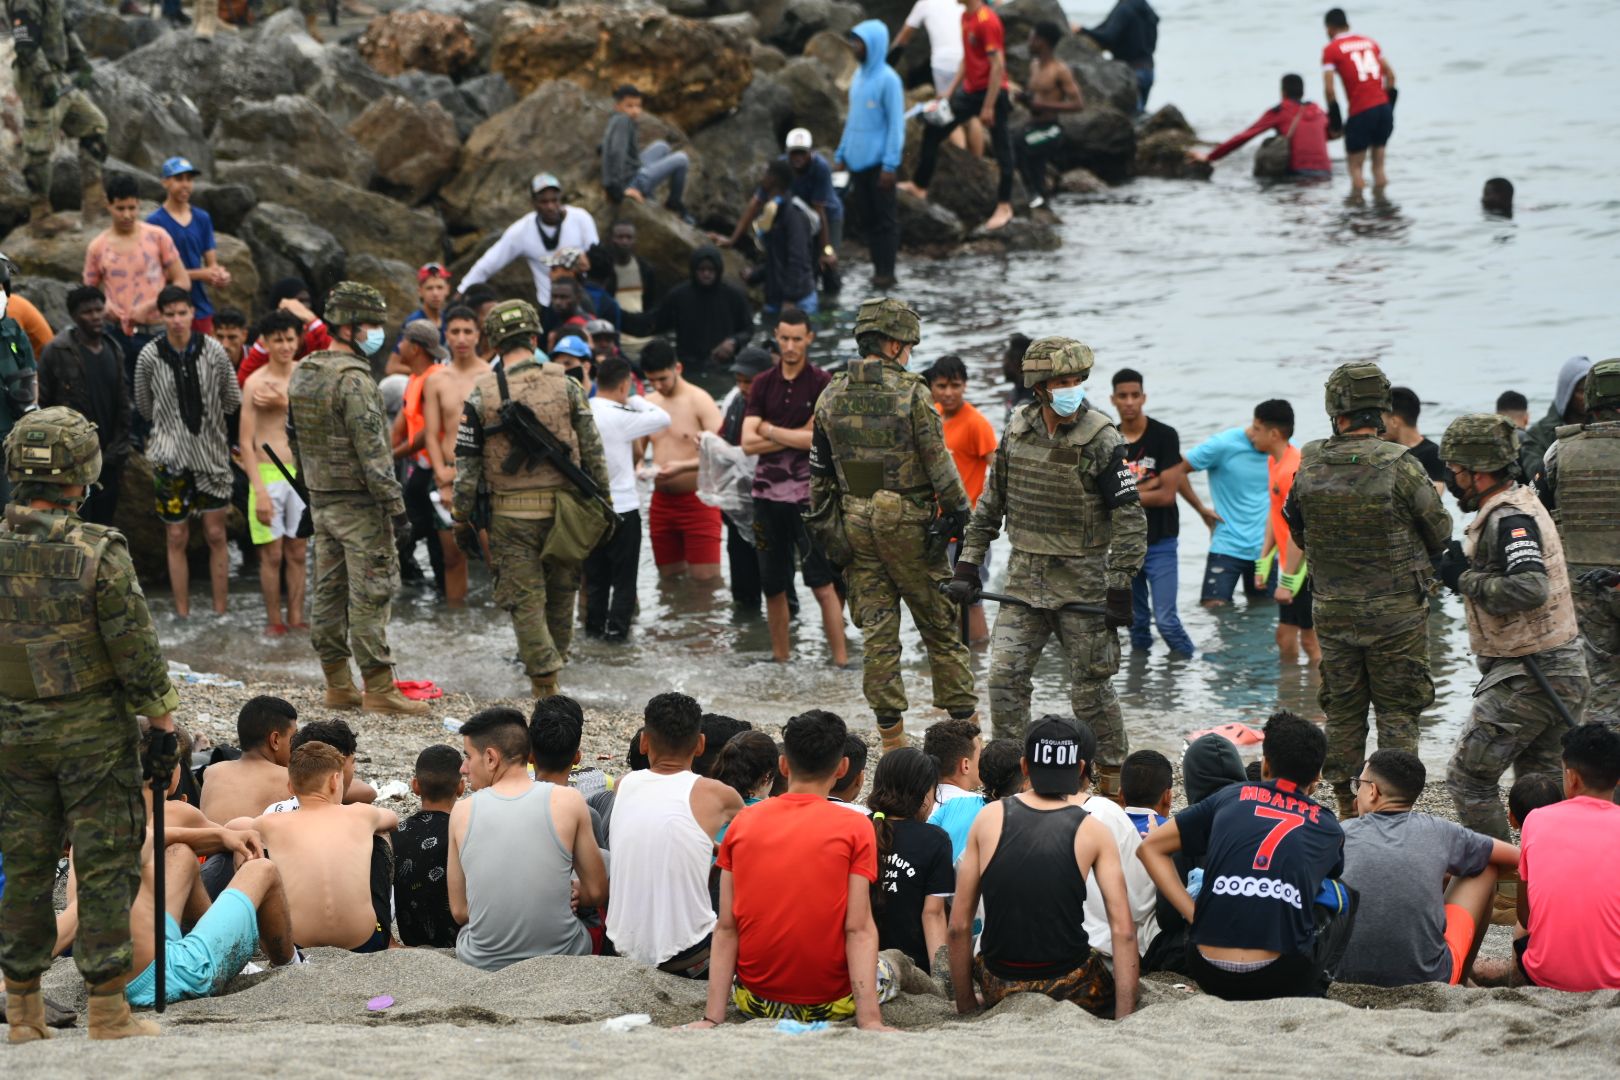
[
  {"x": 1293, "y": 582},
  {"x": 1262, "y": 569}
]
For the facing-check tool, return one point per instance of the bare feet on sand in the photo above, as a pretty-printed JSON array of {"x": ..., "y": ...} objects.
[{"x": 1000, "y": 218}]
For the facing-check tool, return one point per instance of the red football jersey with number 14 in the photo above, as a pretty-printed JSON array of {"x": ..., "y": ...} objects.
[{"x": 1356, "y": 59}]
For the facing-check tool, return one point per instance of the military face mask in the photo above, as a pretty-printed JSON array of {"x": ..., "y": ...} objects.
[{"x": 1467, "y": 500}]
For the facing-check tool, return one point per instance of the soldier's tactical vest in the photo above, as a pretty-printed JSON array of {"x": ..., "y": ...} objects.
[
  {"x": 1357, "y": 550},
  {"x": 874, "y": 448},
  {"x": 50, "y": 639},
  {"x": 544, "y": 389},
  {"x": 326, "y": 449},
  {"x": 1589, "y": 493},
  {"x": 1053, "y": 507},
  {"x": 1522, "y": 633}
]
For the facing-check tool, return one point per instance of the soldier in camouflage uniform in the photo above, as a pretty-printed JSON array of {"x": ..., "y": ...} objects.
[
  {"x": 1579, "y": 482},
  {"x": 79, "y": 661},
  {"x": 1368, "y": 519},
  {"x": 53, "y": 74},
  {"x": 1511, "y": 575},
  {"x": 339, "y": 435},
  {"x": 879, "y": 448},
  {"x": 1079, "y": 535},
  {"x": 539, "y": 592}
]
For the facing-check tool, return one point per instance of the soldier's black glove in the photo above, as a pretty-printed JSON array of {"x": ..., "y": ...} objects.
[
  {"x": 964, "y": 587},
  {"x": 1452, "y": 564},
  {"x": 402, "y": 524},
  {"x": 1119, "y": 609},
  {"x": 1600, "y": 579},
  {"x": 948, "y": 525},
  {"x": 160, "y": 755}
]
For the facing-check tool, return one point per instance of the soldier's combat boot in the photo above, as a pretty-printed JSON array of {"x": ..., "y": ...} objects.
[
  {"x": 341, "y": 693},
  {"x": 382, "y": 696},
  {"x": 1505, "y": 905},
  {"x": 543, "y": 686},
  {"x": 1108, "y": 783},
  {"x": 892, "y": 730},
  {"x": 110, "y": 1017},
  {"x": 1346, "y": 800},
  {"x": 25, "y": 1012}
]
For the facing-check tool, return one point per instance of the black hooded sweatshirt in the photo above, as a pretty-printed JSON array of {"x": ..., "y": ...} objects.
[{"x": 701, "y": 316}]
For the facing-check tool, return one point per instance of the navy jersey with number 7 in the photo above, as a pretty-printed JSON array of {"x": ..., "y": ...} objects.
[{"x": 1265, "y": 848}]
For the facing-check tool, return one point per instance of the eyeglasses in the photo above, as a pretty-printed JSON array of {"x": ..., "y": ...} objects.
[{"x": 1356, "y": 782}]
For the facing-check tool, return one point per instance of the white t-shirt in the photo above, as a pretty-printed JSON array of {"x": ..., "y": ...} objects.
[
  {"x": 1139, "y": 886},
  {"x": 521, "y": 240},
  {"x": 621, "y": 425},
  {"x": 943, "y": 21}
]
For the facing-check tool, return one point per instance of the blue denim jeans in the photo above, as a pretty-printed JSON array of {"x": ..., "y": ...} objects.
[
  {"x": 1157, "y": 583},
  {"x": 658, "y": 164},
  {"x": 1144, "y": 84}
]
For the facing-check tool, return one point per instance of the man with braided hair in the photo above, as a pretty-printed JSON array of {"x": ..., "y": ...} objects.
[
  {"x": 53, "y": 75},
  {"x": 1079, "y": 535},
  {"x": 79, "y": 661},
  {"x": 879, "y": 451}
]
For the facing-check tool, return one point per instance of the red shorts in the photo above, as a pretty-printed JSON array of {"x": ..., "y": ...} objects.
[
  {"x": 1460, "y": 929},
  {"x": 684, "y": 529}
]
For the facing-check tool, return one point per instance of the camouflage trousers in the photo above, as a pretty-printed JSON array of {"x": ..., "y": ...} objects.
[
  {"x": 83, "y": 792},
  {"x": 77, "y": 117},
  {"x": 1093, "y": 654},
  {"x": 887, "y": 533},
  {"x": 1380, "y": 660},
  {"x": 356, "y": 576},
  {"x": 1513, "y": 725},
  {"x": 540, "y": 595},
  {"x": 1599, "y": 617}
]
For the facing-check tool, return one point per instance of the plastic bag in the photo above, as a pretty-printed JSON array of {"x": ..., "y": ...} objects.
[{"x": 726, "y": 479}]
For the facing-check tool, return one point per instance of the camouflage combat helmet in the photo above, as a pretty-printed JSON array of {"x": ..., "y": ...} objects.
[
  {"x": 350, "y": 303},
  {"x": 53, "y": 446},
  {"x": 1603, "y": 385},
  {"x": 1480, "y": 442},
  {"x": 1053, "y": 357},
  {"x": 510, "y": 319},
  {"x": 1356, "y": 386},
  {"x": 892, "y": 318}
]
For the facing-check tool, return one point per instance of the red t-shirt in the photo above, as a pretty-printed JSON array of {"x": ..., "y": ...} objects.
[
  {"x": 1566, "y": 860},
  {"x": 1356, "y": 59},
  {"x": 981, "y": 35},
  {"x": 971, "y": 440},
  {"x": 790, "y": 859},
  {"x": 1307, "y": 149}
]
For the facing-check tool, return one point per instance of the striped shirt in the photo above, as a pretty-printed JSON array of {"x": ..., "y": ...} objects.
[{"x": 208, "y": 453}]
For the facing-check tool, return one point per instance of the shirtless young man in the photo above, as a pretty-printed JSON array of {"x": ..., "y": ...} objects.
[
  {"x": 442, "y": 400},
  {"x": 1052, "y": 91},
  {"x": 685, "y": 532},
  {"x": 243, "y": 788},
  {"x": 324, "y": 850},
  {"x": 274, "y": 508}
]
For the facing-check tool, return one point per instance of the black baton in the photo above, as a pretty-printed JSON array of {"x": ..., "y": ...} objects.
[
  {"x": 1546, "y": 688},
  {"x": 1000, "y": 598},
  {"x": 160, "y": 790}
]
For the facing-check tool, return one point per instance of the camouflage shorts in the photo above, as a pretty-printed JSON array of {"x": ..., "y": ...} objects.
[
  {"x": 752, "y": 1005},
  {"x": 1089, "y": 986}
]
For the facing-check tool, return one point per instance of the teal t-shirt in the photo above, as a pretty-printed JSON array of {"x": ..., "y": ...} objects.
[{"x": 1240, "y": 484}]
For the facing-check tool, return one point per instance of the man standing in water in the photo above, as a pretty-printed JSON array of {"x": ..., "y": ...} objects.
[
  {"x": 1078, "y": 536},
  {"x": 1369, "y": 84},
  {"x": 879, "y": 448}
]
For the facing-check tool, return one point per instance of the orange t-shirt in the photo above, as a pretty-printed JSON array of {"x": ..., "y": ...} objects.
[
  {"x": 33, "y": 324},
  {"x": 1282, "y": 482},
  {"x": 971, "y": 440},
  {"x": 415, "y": 419}
]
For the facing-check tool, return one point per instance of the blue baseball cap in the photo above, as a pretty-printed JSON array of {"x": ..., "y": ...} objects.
[
  {"x": 572, "y": 346},
  {"x": 178, "y": 166}
]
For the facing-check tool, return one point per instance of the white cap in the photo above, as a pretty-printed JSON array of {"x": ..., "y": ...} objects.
[{"x": 800, "y": 139}]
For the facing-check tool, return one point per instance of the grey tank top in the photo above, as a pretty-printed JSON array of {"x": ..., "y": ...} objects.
[{"x": 518, "y": 883}]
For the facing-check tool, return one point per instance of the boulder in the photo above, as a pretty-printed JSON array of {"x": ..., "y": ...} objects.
[
  {"x": 469, "y": 103},
  {"x": 818, "y": 104},
  {"x": 285, "y": 243},
  {"x": 691, "y": 72},
  {"x": 923, "y": 224},
  {"x": 834, "y": 53},
  {"x": 803, "y": 19},
  {"x": 105, "y": 33},
  {"x": 963, "y": 184},
  {"x": 767, "y": 58},
  {"x": 1019, "y": 17},
  {"x": 1101, "y": 139},
  {"x": 245, "y": 288},
  {"x": 14, "y": 197},
  {"x": 734, "y": 149},
  {"x": 362, "y": 222},
  {"x": 666, "y": 241},
  {"x": 212, "y": 73},
  {"x": 54, "y": 246},
  {"x": 66, "y": 191},
  {"x": 291, "y": 129},
  {"x": 341, "y": 83},
  {"x": 227, "y": 204},
  {"x": 152, "y": 125},
  {"x": 1163, "y": 154},
  {"x": 1167, "y": 118},
  {"x": 394, "y": 279},
  {"x": 1081, "y": 182},
  {"x": 1019, "y": 234},
  {"x": 398, "y": 41},
  {"x": 49, "y": 296},
  {"x": 1102, "y": 81},
  {"x": 414, "y": 146}
]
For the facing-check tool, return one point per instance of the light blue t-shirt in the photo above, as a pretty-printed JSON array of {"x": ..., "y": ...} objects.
[
  {"x": 1240, "y": 482},
  {"x": 955, "y": 816}
]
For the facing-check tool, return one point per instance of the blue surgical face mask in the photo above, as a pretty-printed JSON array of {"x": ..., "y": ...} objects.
[
  {"x": 1067, "y": 401},
  {"x": 372, "y": 343}
]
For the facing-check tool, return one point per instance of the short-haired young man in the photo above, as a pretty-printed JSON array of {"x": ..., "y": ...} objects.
[
  {"x": 83, "y": 369},
  {"x": 717, "y": 731},
  {"x": 1296, "y": 629},
  {"x": 848, "y": 788},
  {"x": 1411, "y": 925},
  {"x": 630, "y": 172},
  {"x": 795, "y": 923},
  {"x": 1401, "y": 426},
  {"x": 192, "y": 231},
  {"x": 515, "y": 847},
  {"x": 685, "y": 531},
  {"x": 131, "y": 261},
  {"x": 245, "y": 787},
  {"x": 955, "y": 745},
  {"x": 275, "y": 509},
  {"x": 1516, "y": 407},
  {"x": 1145, "y": 783},
  {"x": 1570, "y": 902},
  {"x": 556, "y": 728},
  {"x": 972, "y": 442},
  {"x": 610, "y": 571},
  {"x": 1266, "y": 848},
  {"x": 421, "y": 851},
  {"x": 1029, "y": 856},
  {"x": 1531, "y": 792},
  {"x": 1239, "y": 464},
  {"x": 1301, "y": 122},
  {"x": 1369, "y": 84},
  {"x": 665, "y": 819},
  {"x": 231, "y": 331}
]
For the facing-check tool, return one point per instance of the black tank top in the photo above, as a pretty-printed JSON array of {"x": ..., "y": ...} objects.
[{"x": 1034, "y": 895}]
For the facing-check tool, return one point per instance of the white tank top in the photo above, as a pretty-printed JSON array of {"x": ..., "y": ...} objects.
[{"x": 661, "y": 859}]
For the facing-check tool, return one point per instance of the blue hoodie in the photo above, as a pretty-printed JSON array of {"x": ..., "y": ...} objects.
[{"x": 875, "y": 133}]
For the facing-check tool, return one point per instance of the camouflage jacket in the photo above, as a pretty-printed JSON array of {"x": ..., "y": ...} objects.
[
  {"x": 45, "y": 46},
  {"x": 339, "y": 431}
]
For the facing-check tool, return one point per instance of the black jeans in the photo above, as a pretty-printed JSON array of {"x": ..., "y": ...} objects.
[
  {"x": 963, "y": 106},
  {"x": 744, "y": 560},
  {"x": 880, "y": 219},
  {"x": 610, "y": 579},
  {"x": 1035, "y": 147},
  {"x": 418, "y": 494}
]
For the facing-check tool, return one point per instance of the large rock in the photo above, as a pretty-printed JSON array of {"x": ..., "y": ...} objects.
[
  {"x": 245, "y": 288},
  {"x": 1167, "y": 118},
  {"x": 963, "y": 184},
  {"x": 227, "y": 204},
  {"x": 690, "y": 72},
  {"x": 14, "y": 197},
  {"x": 362, "y": 222},
  {"x": 342, "y": 84},
  {"x": 418, "y": 41},
  {"x": 291, "y": 129},
  {"x": 1102, "y": 81},
  {"x": 818, "y": 103},
  {"x": 212, "y": 73},
  {"x": 105, "y": 33},
  {"x": 803, "y": 19},
  {"x": 394, "y": 279},
  {"x": 734, "y": 150},
  {"x": 469, "y": 103},
  {"x": 49, "y": 296},
  {"x": 1019, "y": 17},
  {"x": 1019, "y": 234},
  {"x": 414, "y": 146},
  {"x": 54, "y": 246},
  {"x": 1162, "y": 145},
  {"x": 67, "y": 191},
  {"x": 923, "y": 223},
  {"x": 1100, "y": 139},
  {"x": 285, "y": 243},
  {"x": 149, "y": 125},
  {"x": 833, "y": 51}
]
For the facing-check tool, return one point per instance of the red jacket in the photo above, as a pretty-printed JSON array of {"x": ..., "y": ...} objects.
[
  {"x": 315, "y": 338},
  {"x": 1309, "y": 145}
]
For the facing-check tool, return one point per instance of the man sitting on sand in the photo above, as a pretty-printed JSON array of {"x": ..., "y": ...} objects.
[
  {"x": 339, "y": 736},
  {"x": 1266, "y": 849},
  {"x": 243, "y": 788},
  {"x": 324, "y": 852},
  {"x": 514, "y": 848},
  {"x": 1411, "y": 926},
  {"x": 848, "y": 788},
  {"x": 421, "y": 846},
  {"x": 665, "y": 818},
  {"x": 1029, "y": 856},
  {"x": 955, "y": 745}
]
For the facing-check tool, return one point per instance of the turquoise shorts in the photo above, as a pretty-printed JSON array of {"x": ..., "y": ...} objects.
[{"x": 203, "y": 961}]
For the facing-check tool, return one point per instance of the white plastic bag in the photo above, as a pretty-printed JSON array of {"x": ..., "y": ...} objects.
[{"x": 726, "y": 479}]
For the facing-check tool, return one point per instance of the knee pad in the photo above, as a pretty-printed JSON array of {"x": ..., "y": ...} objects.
[{"x": 95, "y": 146}]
